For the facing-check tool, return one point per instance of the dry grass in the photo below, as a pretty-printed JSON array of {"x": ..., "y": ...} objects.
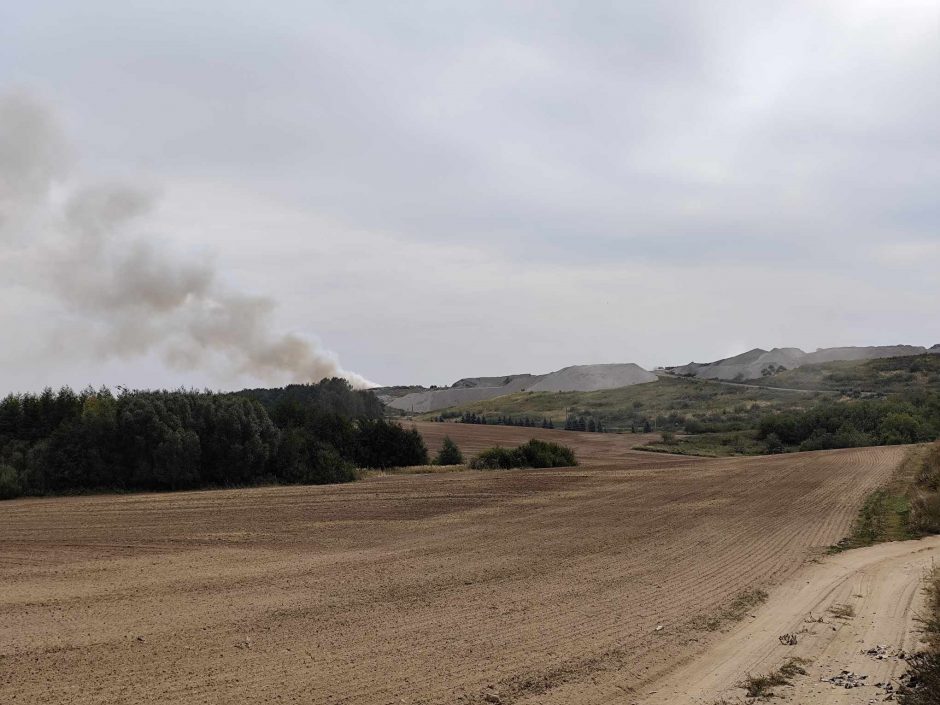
[
  {"x": 908, "y": 506},
  {"x": 735, "y": 611},
  {"x": 925, "y": 495},
  {"x": 925, "y": 666},
  {"x": 842, "y": 611},
  {"x": 414, "y": 470},
  {"x": 762, "y": 686}
]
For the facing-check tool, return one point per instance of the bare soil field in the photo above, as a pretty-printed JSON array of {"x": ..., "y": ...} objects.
[{"x": 574, "y": 585}]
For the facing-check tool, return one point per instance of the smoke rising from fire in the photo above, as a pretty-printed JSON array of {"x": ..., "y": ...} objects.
[{"x": 130, "y": 293}]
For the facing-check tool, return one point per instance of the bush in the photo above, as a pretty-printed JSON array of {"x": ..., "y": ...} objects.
[
  {"x": 383, "y": 444},
  {"x": 533, "y": 454},
  {"x": 449, "y": 453},
  {"x": 543, "y": 454},
  {"x": 302, "y": 459},
  {"x": 774, "y": 444},
  {"x": 925, "y": 504},
  {"x": 929, "y": 475},
  {"x": 924, "y": 668},
  {"x": 911, "y": 419},
  {"x": 496, "y": 459},
  {"x": 10, "y": 485}
]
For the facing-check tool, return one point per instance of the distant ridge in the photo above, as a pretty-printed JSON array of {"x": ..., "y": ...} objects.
[
  {"x": 577, "y": 378},
  {"x": 758, "y": 363},
  {"x": 591, "y": 378}
]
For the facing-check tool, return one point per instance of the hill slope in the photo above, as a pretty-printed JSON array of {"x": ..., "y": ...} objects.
[
  {"x": 891, "y": 375},
  {"x": 674, "y": 397},
  {"x": 475, "y": 389},
  {"x": 589, "y": 378},
  {"x": 758, "y": 363}
]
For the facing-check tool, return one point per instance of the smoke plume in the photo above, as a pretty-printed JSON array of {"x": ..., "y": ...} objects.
[{"x": 131, "y": 295}]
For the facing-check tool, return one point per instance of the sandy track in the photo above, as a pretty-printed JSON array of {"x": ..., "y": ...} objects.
[
  {"x": 542, "y": 586},
  {"x": 884, "y": 586}
]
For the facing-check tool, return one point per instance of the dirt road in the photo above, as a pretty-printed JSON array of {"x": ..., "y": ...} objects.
[
  {"x": 881, "y": 585},
  {"x": 540, "y": 586}
]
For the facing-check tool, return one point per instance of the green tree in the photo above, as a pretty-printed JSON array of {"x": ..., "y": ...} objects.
[
  {"x": 449, "y": 453},
  {"x": 10, "y": 485},
  {"x": 774, "y": 444}
]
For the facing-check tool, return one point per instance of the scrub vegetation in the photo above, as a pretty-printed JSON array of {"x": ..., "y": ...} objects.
[
  {"x": 885, "y": 401},
  {"x": 907, "y": 507},
  {"x": 533, "y": 454}
]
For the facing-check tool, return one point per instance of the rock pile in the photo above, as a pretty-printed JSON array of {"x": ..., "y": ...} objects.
[{"x": 846, "y": 679}]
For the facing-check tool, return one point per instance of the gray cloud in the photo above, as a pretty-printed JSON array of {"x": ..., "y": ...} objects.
[{"x": 794, "y": 139}]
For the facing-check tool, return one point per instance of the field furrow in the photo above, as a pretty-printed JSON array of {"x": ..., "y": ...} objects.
[{"x": 537, "y": 585}]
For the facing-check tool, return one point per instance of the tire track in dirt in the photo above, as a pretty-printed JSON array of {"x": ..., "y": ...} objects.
[{"x": 883, "y": 584}]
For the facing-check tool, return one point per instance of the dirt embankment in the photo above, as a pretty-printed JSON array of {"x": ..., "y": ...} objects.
[{"x": 541, "y": 586}]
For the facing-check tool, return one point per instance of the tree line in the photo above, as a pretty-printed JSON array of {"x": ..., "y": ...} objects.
[
  {"x": 66, "y": 441},
  {"x": 581, "y": 423},
  {"x": 523, "y": 421},
  {"x": 911, "y": 418}
]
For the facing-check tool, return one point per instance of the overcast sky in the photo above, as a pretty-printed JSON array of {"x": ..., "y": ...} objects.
[{"x": 437, "y": 190}]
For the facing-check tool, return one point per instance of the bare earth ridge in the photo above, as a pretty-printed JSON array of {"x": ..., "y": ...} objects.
[{"x": 531, "y": 586}]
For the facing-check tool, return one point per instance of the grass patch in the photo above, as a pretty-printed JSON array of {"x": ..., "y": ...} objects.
[
  {"x": 411, "y": 470},
  {"x": 710, "y": 445},
  {"x": 762, "y": 686},
  {"x": 663, "y": 403},
  {"x": 924, "y": 668},
  {"x": 925, "y": 494},
  {"x": 884, "y": 516},
  {"x": 735, "y": 611},
  {"x": 890, "y": 375},
  {"x": 906, "y": 508}
]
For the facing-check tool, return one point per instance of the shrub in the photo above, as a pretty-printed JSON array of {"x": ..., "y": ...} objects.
[
  {"x": 929, "y": 475},
  {"x": 302, "y": 459},
  {"x": 923, "y": 686},
  {"x": 543, "y": 454},
  {"x": 383, "y": 444},
  {"x": 774, "y": 444},
  {"x": 449, "y": 453},
  {"x": 533, "y": 454},
  {"x": 760, "y": 686},
  {"x": 925, "y": 504},
  {"x": 495, "y": 459},
  {"x": 10, "y": 485},
  {"x": 909, "y": 419}
]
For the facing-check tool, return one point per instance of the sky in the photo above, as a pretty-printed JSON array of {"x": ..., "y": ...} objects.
[{"x": 418, "y": 192}]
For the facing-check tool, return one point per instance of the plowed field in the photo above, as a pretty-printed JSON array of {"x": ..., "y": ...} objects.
[{"x": 528, "y": 586}]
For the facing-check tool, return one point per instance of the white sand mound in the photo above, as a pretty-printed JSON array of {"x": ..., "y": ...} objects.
[
  {"x": 590, "y": 378},
  {"x": 754, "y": 363},
  {"x": 421, "y": 402},
  {"x": 523, "y": 379}
]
